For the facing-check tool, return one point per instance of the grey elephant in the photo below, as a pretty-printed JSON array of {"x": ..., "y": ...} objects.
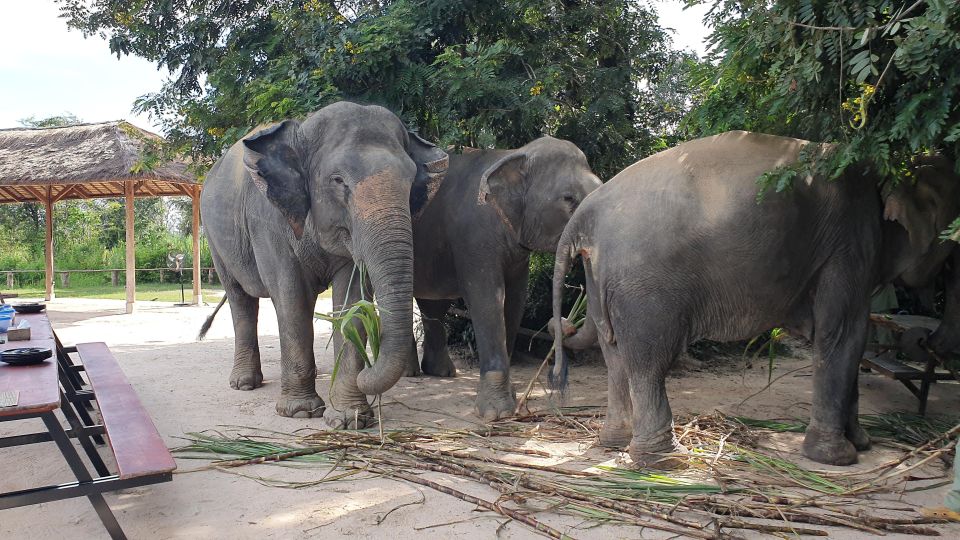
[
  {"x": 676, "y": 248},
  {"x": 481, "y": 252},
  {"x": 288, "y": 210}
]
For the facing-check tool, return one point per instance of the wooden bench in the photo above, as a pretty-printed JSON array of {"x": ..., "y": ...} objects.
[
  {"x": 140, "y": 454},
  {"x": 884, "y": 359},
  {"x": 137, "y": 446}
]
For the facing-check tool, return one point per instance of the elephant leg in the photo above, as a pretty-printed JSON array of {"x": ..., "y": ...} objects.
[
  {"x": 854, "y": 431},
  {"x": 294, "y": 304},
  {"x": 246, "y": 373},
  {"x": 840, "y": 332},
  {"x": 348, "y": 408},
  {"x": 436, "y": 356},
  {"x": 514, "y": 301},
  {"x": 496, "y": 397},
  {"x": 617, "y": 430},
  {"x": 647, "y": 350},
  {"x": 413, "y": 364},
  {"x": 652, "y": 418}
]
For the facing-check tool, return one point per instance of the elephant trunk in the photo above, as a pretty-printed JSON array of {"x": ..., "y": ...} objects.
[{"x": 386, "y": 249}]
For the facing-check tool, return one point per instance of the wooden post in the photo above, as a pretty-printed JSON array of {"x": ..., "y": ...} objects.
[
  {"x": 115, "y": 277},
  {"x": 9, "y": 280},
  {"x": 65, "y": 280},
  {"x": 48, "y": 246},
  {"x": 131, "y": 248},
  {"x": 197, "y": 298}
]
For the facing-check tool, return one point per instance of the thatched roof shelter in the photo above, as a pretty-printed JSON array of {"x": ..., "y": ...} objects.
[
  {"x": 83, "y": 162},
  {"x": 93, "y": 161}
]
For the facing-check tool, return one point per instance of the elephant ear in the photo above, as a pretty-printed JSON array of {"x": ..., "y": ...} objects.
[
  {"x": 501, "y": 186},
  {"x": 273, "y": 156},
  {"x": 432, "y": 164},
  {"x": 914, "y": 207}
]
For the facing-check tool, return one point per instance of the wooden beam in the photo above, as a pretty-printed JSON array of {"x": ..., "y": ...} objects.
[
  {"x": 128, "y": 190},
  {"x": 197, "y": 299},
  {"x": 187, "y": 189},
  {"x": 48, "y": 245},
  {"x": 11, "y": 194},
  {"x": 146, "y": 187},
  {"x": 39, "y": 194},
  {"x": 68, "y": 190},
  {"x": 84, "y": 192}
]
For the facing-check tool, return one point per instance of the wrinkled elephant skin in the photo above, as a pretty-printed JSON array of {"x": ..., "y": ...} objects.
[
  {"x": 474, "y": 242},
  {"x": 676, "y": 248},
  {"x": 288, "y": 211}
]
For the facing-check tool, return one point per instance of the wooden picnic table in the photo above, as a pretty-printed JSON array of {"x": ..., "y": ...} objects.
[
  {"x": 37, "y": 385},
  {"x": 58, "y": 386}
]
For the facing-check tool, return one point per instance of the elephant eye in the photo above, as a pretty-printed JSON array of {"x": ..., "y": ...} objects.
[
  {"x": 571, "y": 200},
  {"x": 337, "y": 179}
]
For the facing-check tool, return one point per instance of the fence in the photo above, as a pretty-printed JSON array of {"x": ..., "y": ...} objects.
[{"x": 115, "y": 273}]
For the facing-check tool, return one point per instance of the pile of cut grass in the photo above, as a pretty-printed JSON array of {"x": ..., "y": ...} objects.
[{"x": 731, "y": 481}]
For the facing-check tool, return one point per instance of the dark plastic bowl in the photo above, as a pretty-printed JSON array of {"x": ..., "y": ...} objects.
[{"x": 29, "y": 308}]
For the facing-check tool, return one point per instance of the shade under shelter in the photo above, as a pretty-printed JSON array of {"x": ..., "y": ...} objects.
[{"x": 93, "y": 161}]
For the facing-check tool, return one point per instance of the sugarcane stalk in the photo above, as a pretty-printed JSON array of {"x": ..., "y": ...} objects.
[{"x": 502, "y": 510}]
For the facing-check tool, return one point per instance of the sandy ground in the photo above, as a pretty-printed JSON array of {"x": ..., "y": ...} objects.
[{"x": 183, "y": 384}]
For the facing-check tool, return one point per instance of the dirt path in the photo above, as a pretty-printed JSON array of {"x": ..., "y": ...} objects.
[{"x": 184, "y": 385}]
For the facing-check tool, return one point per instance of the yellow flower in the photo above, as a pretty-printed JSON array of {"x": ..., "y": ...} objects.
[{"x": 536, "y": 89}]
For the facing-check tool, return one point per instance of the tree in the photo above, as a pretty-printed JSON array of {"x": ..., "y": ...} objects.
[
  {"x": 879, "y": 78},
  {"x": 464, "y": 72}
]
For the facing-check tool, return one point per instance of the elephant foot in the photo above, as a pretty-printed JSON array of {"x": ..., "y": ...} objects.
[
  {"x": 495, "y": 398},
  {"x": 413, "y": 365},
  {"x": 438, "y": 363},
  {"x": 656, "y": 454},
  {"x": 359, "y": 416},
  {"x": 859, "y": 437},
  {"x": 308, "y": 407},
  {"x": 829, "y": 448},
  {"x": 245, "y": 378},
  {"x": 411, "y": 371},
  {"x": 614, "y": 435}
]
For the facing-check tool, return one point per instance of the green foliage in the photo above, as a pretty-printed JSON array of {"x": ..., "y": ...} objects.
[
  {"x": 878, "y": 78},
  {"x": 345, "y": 320},
  {"x": 539, "y": 306},
  {"x": 771, "y": 343},
  {"x": 465, "y": 72},
  {"x": 367, "y": 314},
  {"x": 65, "y": 119}
]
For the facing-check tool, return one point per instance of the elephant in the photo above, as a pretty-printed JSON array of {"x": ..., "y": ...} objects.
[
  {"x": 677, "y": 248},
  {"x": 481, "y": 252},
  {"x": 288, "y": 211}
]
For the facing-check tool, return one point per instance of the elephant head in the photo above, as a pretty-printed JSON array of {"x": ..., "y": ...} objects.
[
  {"x": 351, "y": 176},
  {"x": 916, "y": 211},
  {"x": 535, "y": 189}
]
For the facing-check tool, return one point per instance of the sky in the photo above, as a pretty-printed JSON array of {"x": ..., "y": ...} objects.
[{"x": 47, "y": 69}]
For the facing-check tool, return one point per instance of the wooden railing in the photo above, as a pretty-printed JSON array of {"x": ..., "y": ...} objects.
[{"x": 115, "y": 274}]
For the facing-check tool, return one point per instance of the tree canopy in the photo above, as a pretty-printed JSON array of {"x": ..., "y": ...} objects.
[
  {"x": 464, "y": 72},
  {"x": 878, "y": 77}
]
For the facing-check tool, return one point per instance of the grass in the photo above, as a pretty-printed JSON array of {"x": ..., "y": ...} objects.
[
  {"x": 906, "y": 428},
  {"x": 160, "y": 292}
]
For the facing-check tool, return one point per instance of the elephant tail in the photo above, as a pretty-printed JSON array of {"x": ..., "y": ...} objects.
[
  {"x": 566, "y": 252},
  {"x": 209, "y": 322}
]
